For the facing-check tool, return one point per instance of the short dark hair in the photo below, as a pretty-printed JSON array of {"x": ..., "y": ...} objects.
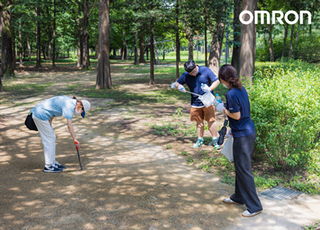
[
  {"x": 229, "y": 74},
  {"x": 189, "y": 66}
]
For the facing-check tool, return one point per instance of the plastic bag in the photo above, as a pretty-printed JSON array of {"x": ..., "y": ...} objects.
[
  {"x": 207, "y": 99},
  {"x": 227, "y": 149}
]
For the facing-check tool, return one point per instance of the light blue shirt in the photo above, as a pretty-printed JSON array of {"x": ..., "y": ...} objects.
[{"x": 55, "y": 106}]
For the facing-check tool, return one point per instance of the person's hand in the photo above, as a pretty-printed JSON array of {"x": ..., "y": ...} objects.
[
  {"x": 205, "y": 88},
  {"x": 181, "y": 88},
  {"x": 220, "y": 107},
  {"x": 77, "y": 143}
]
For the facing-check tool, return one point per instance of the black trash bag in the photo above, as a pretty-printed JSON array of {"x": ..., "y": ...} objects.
[
  {"x": 222, "y": 132},
  {"x": 30, "y": 123}
]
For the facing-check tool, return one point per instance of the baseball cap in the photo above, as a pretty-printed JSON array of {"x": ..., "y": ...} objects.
[{"x": 86, "y": 107}]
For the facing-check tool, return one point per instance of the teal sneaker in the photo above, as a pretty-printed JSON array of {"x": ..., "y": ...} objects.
[
  {"x": 199, "y": 143},
  {"x": 214, "y": 143}
]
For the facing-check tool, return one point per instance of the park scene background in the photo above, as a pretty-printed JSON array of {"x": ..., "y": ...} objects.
[{"x": 122, "y": 56}]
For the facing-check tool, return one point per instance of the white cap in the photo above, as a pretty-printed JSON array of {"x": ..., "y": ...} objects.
[{"x": 86, "y": 106}]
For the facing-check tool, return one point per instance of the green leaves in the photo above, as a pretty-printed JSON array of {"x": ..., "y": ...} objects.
[{"x": 285, "y": 109}]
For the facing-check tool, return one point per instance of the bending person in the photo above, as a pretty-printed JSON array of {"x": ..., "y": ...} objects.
[
  {"x": 43, "y": 115},
  {"x": 195, "y": 76},
  {"x": 237, "y": 108}
]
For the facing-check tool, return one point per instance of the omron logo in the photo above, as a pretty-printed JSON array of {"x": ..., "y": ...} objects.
[{"x": 276, "y": 15}]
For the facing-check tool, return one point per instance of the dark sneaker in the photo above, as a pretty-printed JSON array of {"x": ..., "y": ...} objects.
[
  {"x": 60, "y": 166},
  {"x": 52, "y": 168}
]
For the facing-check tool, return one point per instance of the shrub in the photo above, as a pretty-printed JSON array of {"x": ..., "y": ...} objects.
[
  {"x": 308, "y": 48},
  {"x": 286, "y": 113}
]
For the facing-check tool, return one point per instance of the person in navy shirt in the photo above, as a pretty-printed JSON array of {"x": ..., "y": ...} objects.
[
  {"x": 237, "y": 108},
  {"x": 193, "y": 77}
]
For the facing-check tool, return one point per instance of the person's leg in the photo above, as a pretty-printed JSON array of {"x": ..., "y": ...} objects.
[
  {"x": 209, "y": 115},
  {"x": 48, "y": 140},
  {"x": 200, "y": 128},
  {"x": 196, "y": 114},
  {"x": 245, "y": 186}
]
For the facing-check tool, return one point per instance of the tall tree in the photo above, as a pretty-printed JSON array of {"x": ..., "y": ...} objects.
[
  {"x": 142, "y": 49},
  {"x": 7, "y": 70},
  {"x": 85, "y": 35},
  {"x": 38, "y": 64},
  {"x": 248, "y": 33},
  {"x": 236, "y": 36},
  {"x": 216, "y": 47},
  {"x": 103, "y": 71}
]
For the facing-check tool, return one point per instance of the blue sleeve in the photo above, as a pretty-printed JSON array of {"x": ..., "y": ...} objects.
[
  {"x": 182, "y": 79},
  {"x": 233, "y": 104}
]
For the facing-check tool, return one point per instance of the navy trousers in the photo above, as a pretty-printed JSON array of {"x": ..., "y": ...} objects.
[{"x": 245, "y": 192}]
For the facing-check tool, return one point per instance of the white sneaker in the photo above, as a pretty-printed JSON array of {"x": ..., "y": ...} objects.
[
  {"x": 249, "y": 214},
  {"x": 229, "y": 201}
]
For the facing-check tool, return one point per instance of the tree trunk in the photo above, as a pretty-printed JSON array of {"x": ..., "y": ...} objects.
[
  {"x": 151, "y": 55},
  {"x": 14, "y": 59},
  {"x": 96, "y": 49},
  {"x": 20, "y": 45},
  {"x": 85, "y": 36},
  {"x": 54, "y": 35},
  {"x": 44, "y": 51},
  {"x": 7, "y": 70},
  {"x": 103, "y": 69},
  {"x": 79, "y": 63},
  {"x": 271, "y": 43},
  {"x": 291, "y": 41},
  {"x": 141, "y": 59},
  {"x": 177, "y": 41},
  {"x": 136, "y": 56},
  {"x": 247, "y": 43},
  {"x": 286, "y": 27},
  {"x": 29, "y": 48},
  {"x": 124, "y": 47},
  {"x": 190, "y": 39},
  {"x": 38, "y": 65},
  {"x": 236, "y": 37},
  {"x": 216, "y": 47},
  {"x": 297, "y": 35}
]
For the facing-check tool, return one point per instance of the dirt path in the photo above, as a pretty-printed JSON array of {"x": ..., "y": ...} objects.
[{"x": 129, "y": 181}]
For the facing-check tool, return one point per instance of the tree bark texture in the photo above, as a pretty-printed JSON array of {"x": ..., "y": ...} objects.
[
  {"x": 29, "y": 48},
  {"x": 151, "y": 82},
  {"x": 38, "y": 64},
  {"x": 235, "y": 62},
  {"x": 85, "y": 36},
  {"x": 20, "y": 45},
  {"x": 142, "y": 48},
  {"x": 136, "y": 56},
  {"x": 124, "y": 47},
  {"x": 247, "y": 53},
  {"x": 103, "y": 69},
  {"x": 7, "y": 69},
  {"x": 190, "y": 39},
  {"x": 14, "y": 51},
  {"x": 216, "y": 47}
]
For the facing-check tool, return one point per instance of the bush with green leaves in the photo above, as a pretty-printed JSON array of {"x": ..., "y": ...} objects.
[{"x": 286, "y": 111}]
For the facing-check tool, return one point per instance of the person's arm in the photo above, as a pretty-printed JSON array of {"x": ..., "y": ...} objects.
[
  {"x": 214, "y": 85},
  {"x": 235, "y": 116},
  {"x": 71, "y": 131}
]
